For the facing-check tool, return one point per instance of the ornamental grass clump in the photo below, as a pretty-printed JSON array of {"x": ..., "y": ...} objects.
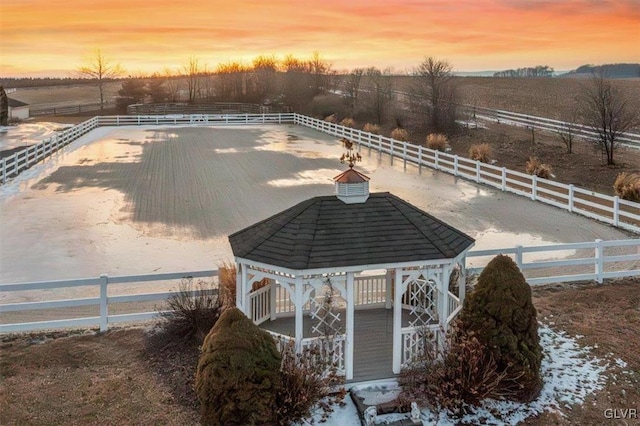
[
  {"x": 501, "y": 315},
  {"x": 238, "y": 374},
  {"x": 437, "y": 141},
  {"x": 331, "y": 119},
  {"x": 191, "y": 312},
  {"x": 627, "y": 186},
  {"x": 538, "y": 168},
  {"x": 227, "y": 279},
  {"x": 400, "y": 134},
  {"x": 480, "y": 152},
  {"x": 348, "y": 122},
  {"x": 371, "y": 128}
]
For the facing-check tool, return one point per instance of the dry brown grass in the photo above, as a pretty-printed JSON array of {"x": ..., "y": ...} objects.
[
  {"x": 481, "y": 152},
  {"x": 627, "y": 186},
  {"x": 437, "y": 141},
  {"x": 538, "y": 168},
  {"x": 227, "y": 278},
  {"x": 114, "y": 378},
  {"x": 400, "y": 134},
  {"x": 348, "y": 122},
  {"x": 371, "y": 128},
  {"x": 331, "y": 119}
]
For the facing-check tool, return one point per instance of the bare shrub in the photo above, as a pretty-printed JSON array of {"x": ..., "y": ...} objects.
[
  {"x": 400, "y": 134},
  {"x": 192, "y": 311},
  {"x": 348, "y": 122},
  {"x": 371, "y": 128},
  {"x": 437, "y": 141},
  {"x": 460, "y": 372},
  {"x": 538, "y": 168},
  {"x": 480, "y": 152},
  {"x": 227, "y": 279},
  {"x": 308, "y": 383},
  {"x": 627, "y": 186},
  {"x": 331, "y": 119}
]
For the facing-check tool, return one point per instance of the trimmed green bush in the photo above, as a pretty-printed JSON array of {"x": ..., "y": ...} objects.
[
  {"x": 238, "y": 373},
  {"x": 501, "y": 315}
]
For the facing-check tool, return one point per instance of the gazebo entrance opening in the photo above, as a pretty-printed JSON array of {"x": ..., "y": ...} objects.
[{"x": 370, "y": 326}]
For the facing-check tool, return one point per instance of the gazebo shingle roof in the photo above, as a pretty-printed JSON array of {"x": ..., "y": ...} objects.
[{"x": 324, "y": 232}]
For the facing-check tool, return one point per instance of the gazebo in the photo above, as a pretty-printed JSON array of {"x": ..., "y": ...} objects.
[{"x": 353, "y": 268}]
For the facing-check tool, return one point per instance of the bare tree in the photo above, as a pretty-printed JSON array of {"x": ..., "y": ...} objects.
[
  {"x": 100, "y": 68},
  {"x": 435, "y": 93},
  {"x": 192, "y": 71},
  {"x": 321, "y": 70},
  {"x": 352, "y": 86},
  {"x": 568, "y": 129},
  {"x": 264, "y": 70},
  {"x": 606, "y": 109},
  {"x": 172, "y": 83},
  {"x": 380, "y": 92}
]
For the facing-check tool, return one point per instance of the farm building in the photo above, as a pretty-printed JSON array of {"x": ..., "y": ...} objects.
[
  {"x": 363, "y": 276},
  {"x": 18, "y": 110}
]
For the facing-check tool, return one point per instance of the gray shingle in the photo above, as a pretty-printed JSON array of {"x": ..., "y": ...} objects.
[{"x": 324, "y": 232}]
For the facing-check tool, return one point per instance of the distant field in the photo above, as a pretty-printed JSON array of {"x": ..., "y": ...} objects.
[
  {"x": 59, "y": 96},
  {"x": 545, "y": 97}
]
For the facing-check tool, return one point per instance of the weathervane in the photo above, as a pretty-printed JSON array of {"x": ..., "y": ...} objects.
[{"x": 349, "y": 156}]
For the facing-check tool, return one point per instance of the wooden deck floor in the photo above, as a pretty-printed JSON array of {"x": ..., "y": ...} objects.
[{"x": 373, "y": 341}]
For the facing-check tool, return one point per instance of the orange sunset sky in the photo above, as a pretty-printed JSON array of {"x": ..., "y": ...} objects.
[{"x": 51, "y": 37}]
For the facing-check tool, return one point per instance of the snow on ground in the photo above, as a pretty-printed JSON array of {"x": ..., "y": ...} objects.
[
  {"x": 25, "y": 134},
  {"x": 570, "y": 374}
]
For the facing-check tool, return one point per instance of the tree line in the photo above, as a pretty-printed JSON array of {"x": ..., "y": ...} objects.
[
  {"x": 313, "y": 86},
  {"x": 537, "y": 71}
]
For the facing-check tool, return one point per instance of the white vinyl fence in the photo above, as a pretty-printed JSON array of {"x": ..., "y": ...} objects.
[
  {"x": 597, "y": 260},
  {"x": 613, "y": 210}
]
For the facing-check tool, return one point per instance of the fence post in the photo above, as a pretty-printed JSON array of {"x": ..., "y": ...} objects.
[
  {"x": 273, "y": 304},
  {"x": 117, "y": 120},
  {"x": 104, "y": 312},
  {"x": 504, "y": 179},
  {"x": 4, "y": 170},
  {"x": 534, "y": 186},
  {"x": 477, "y": 171},
  {"x": 599, "y": 261},
  {"x": 404, "y": 153},
  {"x": 570, "y": 198},
  {"x": 419, "y": 158},
  {"x": 616, "y": 210},
  {"x": 519, "y": 257},
  {"x": 391, "y": 150},
  {"x": 455, "y": 165},
  {"x": 435, "y": 159}
]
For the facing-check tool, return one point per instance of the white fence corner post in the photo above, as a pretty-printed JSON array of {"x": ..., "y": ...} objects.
[
  {"x": 616, "y": 210},
  {"x": 519, "y": 256},
  {"x": 104, "y": 307},
  {"x": 534, "y": 187},
  {"x": 599, "y": 261}
]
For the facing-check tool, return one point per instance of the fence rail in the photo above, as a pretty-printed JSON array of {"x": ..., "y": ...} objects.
[
  {"x": 596, "y": 260},
  {"x": 612, "y": 210}
]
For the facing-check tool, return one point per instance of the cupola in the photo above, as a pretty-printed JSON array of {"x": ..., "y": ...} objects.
[{"x": 352, "y": 187}]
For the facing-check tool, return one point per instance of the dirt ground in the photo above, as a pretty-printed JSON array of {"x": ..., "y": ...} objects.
[{"x": 127, "y": 376}]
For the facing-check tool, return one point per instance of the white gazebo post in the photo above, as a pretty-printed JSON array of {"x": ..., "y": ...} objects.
[
  {"x": 348, "y": 364},
  {"x": 443, "y": 296},
  {"x": 298, "y": 295},
  {"x": 397, "y": 322}
]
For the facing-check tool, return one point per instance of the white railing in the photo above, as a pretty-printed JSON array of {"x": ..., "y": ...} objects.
[
  {"x": 15, "y": 164},
  {"x": 370, "y": 291},
  {"x": 597, "y": 260},
  {"x": 414, "y": 339},
  {"x": 454, "y": 307},
  {"x": 334, "y": 345},
  {"x": 613, "y": 210},
  {"x": 590, "y": 262},
  {"x": 260, "y": 303},
  {"x": 103, "y": 301}
]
